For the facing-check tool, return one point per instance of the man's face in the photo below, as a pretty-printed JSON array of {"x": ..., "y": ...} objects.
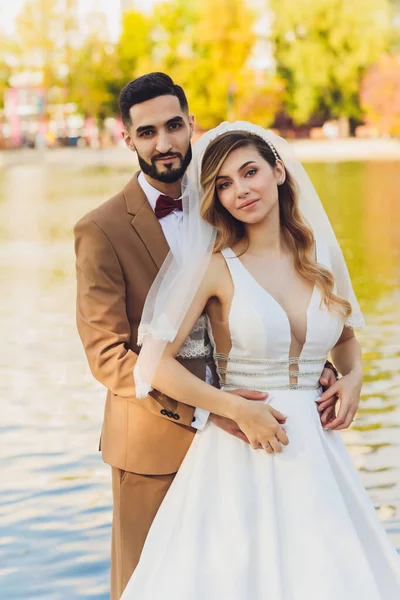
[{"x": 160, "y": 133}]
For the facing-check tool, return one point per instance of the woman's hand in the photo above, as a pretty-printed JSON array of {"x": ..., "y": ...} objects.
[
  {"x": 348, "y": 390},
  {"x": 262, "y": 425}
]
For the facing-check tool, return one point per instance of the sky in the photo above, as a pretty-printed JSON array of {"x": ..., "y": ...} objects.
[{"x": 9, "y": 10}]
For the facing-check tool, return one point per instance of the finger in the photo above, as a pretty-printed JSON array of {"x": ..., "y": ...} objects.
[
  {"x": 282, "y": 437},
  {"x": 340, "y": 419},
  {"x": 324, "y": 380},
  {"x": 276, "y": 445},
  {"x": 278, "y": 415},
  {"x": 329, "y": 376},
  {"x": 329, "y": 401},
  {"x": 348, "y": 420},
  {"x": 327, "y": 404},
  {"x": 250, "y": 394},
  {"x": 241, "y": 436},
  {"x": 267, "y": 447},
  {"x": 327, "y": 416},
  {"x": 345, "y": 425},
  {"x": 331, "y": 391}
]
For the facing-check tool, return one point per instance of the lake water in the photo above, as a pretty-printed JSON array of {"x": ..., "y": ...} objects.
[{"x": 55, "y": 504}]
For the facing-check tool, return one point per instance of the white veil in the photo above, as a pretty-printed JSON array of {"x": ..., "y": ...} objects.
[{"x": 179, "y": 278}]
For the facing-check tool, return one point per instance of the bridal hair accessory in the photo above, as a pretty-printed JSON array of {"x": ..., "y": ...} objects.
[
  {"x": 274, "y": 152},
  {"x": 179, "y": 278}
]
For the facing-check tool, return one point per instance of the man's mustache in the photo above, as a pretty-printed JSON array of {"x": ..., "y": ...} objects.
[{"x": 168, "y": 154}]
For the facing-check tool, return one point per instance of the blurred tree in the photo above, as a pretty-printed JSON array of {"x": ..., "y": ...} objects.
[
  {"x": 322, "y": 49},
  {"x": 206, "y": 46},
  {"x": 380, "y": 95},
  {"x": 134, "y": 47},
  {"x": 224, "y": 40},
  {"x": 395, "y": 26},
  {"x": 47, "y": 31},
  {"x": 260, "y": 103},
  {"x": 95, "y": 70},
  {"x": 7, "y": 50},
  {"x": 173, "y": 32}
]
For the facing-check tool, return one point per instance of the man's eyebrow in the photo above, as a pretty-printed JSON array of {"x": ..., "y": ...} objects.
[
  {"x": 244, "y": 165},
  {"x": 142, "y": 128},
  {"x": 176, "y": 119}
]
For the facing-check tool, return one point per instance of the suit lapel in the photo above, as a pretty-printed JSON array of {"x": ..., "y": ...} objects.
[{"x": 145, "y": 222}]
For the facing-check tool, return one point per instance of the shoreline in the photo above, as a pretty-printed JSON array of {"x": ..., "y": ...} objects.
[{"x": 345, "y": 150}]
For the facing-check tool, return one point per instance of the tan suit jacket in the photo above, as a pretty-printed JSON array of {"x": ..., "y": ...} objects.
[{"x": 120, "y": 247}]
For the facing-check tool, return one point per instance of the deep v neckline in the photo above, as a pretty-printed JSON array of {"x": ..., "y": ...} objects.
[{"x": 278, "y": 304}]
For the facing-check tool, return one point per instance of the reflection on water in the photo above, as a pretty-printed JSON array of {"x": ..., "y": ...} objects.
[{"x": 55, "y": 506}]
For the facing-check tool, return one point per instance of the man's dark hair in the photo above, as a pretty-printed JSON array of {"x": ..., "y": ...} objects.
[{"x": 145, "y": 88}]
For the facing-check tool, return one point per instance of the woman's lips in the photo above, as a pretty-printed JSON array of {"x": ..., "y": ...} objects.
[{"x": 247, "y": 204}]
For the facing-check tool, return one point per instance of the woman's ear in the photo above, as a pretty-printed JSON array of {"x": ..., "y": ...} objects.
[{"x": 280, "y": 172}]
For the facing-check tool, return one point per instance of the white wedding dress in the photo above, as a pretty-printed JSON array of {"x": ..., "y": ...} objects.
[{"x": 240, "y": 524}]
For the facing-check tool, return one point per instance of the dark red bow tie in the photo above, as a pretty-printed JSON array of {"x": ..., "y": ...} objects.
[{"x": 166, "y": 205}]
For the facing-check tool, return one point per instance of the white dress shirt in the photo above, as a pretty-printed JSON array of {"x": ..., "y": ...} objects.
[{"x": 172, "y": 227}]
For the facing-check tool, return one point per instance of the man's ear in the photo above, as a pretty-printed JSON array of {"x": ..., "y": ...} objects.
[
  {"x": 191, "y": 125},
  {"x": 128, "y": 140}
]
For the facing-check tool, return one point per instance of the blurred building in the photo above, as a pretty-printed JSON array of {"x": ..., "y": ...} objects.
[{"x": 23, "y": 109}]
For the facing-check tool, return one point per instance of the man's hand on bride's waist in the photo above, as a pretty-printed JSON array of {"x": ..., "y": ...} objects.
[
  {"x": 231, "y": 426},
  {"x": 347, "y": 390}
]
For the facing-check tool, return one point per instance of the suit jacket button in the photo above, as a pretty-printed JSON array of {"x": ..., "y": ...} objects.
[
  {"x": 164, "y": 412},
  {"x": 176, "y": 417},
  {"x": 193, "y": 420}
]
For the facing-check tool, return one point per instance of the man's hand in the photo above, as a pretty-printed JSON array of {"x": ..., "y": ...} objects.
[
  {"x": 230, "y": 426},
  {"x": 327, "y": 406},
  {"x": 348, "y": 390}
]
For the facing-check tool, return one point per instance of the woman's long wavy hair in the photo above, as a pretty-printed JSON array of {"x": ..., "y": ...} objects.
[{"x": 296, "y": 231}]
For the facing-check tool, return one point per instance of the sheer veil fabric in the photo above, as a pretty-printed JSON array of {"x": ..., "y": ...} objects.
[{"x": 179, "y": 278}]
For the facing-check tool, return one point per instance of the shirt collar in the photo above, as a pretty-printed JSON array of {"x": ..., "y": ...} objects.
[{"x": 151, "y": 193}]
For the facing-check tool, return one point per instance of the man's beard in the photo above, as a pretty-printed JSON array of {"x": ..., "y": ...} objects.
[{"x": 170, "y": 175}]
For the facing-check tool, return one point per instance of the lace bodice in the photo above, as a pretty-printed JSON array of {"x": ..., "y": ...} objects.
[
  {"x": 197, "y": 344},
  {"x": 261, "y": 336}
]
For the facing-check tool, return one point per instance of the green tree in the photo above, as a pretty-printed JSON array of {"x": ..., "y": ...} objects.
[
  {"x": 322, "y": 50},
  {"x": 395, "y": 26},
  {"x": 47, "y": 31},
  {"x": 95, "y": 71},
  {"x": 206, "y": 46},
  {"x": 173, "y": 32},
  {"x": 224, "y": 40},
  {"x": 134, "y": 47},
  {"x": 6, "y": 56}
]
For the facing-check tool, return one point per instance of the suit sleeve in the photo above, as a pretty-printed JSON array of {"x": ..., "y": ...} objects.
[{"x": 103, "y": 324}]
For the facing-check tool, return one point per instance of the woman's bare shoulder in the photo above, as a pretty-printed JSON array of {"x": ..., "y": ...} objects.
[
  {"x": 218, "y": 273},
  {"x": 217, "y": 266}
]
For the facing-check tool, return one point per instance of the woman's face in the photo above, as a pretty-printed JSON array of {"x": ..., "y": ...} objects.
[{"x": 246, "y": 185}]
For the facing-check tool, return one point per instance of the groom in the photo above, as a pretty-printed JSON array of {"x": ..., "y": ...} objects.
[{"x": 120, "y": 246}]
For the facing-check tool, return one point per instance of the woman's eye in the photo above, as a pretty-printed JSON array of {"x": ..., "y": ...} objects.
[
  {"x": 251, "y": 172},
  {"x": 223, "y": 186}
]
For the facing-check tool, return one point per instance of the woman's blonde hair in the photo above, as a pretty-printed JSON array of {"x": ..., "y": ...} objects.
[{"x": 297, "y": 233}]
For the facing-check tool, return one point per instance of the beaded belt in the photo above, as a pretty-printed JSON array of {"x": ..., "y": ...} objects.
[{"x": 279, "y": 363}]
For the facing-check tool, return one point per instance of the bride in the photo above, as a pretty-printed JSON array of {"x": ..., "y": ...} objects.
[{"x": 286, "y": 517}]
